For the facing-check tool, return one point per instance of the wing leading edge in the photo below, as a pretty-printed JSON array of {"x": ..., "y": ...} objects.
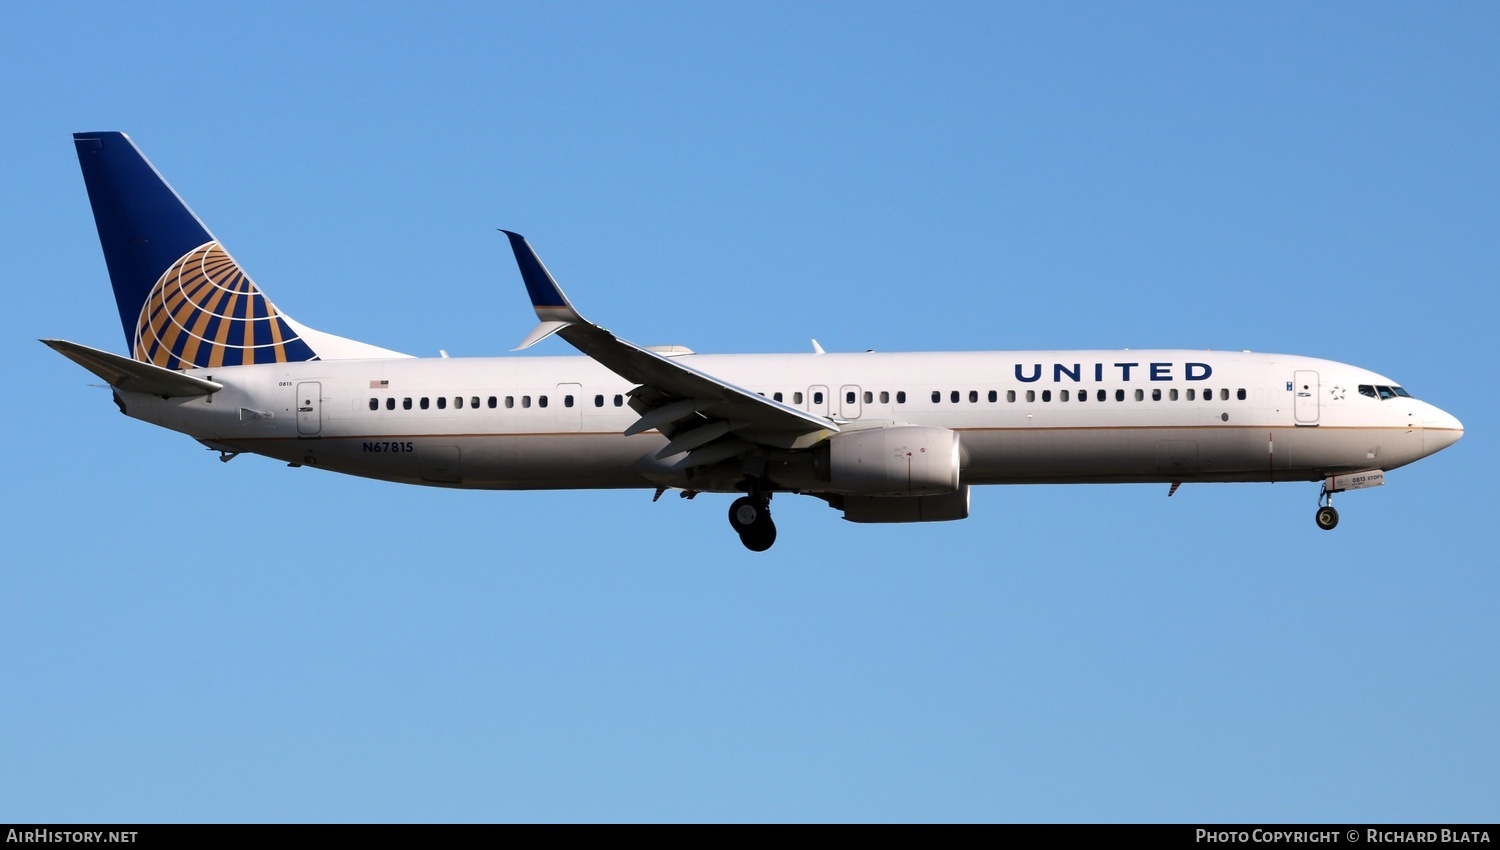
[{"x": 710, "y": 419}]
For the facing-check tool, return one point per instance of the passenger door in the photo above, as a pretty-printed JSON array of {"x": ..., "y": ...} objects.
[
  {"x": 309, "y": 408},
  {"x": 1305, "y": 397}
]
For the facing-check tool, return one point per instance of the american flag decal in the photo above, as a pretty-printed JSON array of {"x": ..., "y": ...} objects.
[{"x": 380, "y": 385}]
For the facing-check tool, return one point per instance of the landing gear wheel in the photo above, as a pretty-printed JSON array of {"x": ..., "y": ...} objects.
[
  {"x": 1327, "y": 517},
  {"x": 745, "y": 512},
  {"x": 760, "y": 537},
  {"x": 751, "y": 519}
]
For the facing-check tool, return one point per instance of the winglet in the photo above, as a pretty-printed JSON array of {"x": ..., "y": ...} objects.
[
  {"x": 539, "y": 333},
  {"x": 546, "y": 296}
]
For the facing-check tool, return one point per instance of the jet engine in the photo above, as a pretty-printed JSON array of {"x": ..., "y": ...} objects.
[
  {"x": 948, "y": 506},
  {"x": 904, "y": 460}
]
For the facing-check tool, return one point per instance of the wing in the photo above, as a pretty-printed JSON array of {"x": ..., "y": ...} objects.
[{"x": 708, "y": 418}]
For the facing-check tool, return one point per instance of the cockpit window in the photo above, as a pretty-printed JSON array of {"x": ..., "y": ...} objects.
[{"x": 1382, "y": 392}]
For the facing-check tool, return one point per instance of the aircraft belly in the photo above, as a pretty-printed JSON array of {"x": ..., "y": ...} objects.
[
  {"x": 1349, "y": 449},
  {"x": 1141, "y": 453},
  {"x": 485, "y": 462}
]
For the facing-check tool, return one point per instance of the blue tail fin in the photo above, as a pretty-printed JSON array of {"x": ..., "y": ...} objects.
[{"x": 183, "y": 301}]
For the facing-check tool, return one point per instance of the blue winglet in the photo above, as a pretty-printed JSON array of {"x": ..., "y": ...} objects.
[
  {"x": 547, "y": 298},
  {"x": 543, "y": 290}
]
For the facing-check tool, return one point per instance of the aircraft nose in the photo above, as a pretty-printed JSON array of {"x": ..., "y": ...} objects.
[{"x": 1440, "y": 430}]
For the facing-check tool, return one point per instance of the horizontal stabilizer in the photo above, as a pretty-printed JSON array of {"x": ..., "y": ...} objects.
[{"x": 122, "y": 373}]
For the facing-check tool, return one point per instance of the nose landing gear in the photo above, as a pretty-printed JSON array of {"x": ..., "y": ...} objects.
[
  {"x": 750, "y": 516},
  {"x": 1326, "y": 517}
]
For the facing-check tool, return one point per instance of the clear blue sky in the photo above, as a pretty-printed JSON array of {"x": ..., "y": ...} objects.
[{"x": 188, "y": 640}]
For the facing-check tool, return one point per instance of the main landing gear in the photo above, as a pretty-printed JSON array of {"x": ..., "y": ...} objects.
[
  {"x": 751, "y": 518},
  {"x": 1326, "y": 517}
]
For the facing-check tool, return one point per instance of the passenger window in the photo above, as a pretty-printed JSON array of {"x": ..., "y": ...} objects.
[
  {"x": 1224, "y": 394},
  {"x": 567, "y": 401},
  {"x": 1119, "y": 395},
  {"x": 1156, "y": 394},
  {"x": 390, "y": 403},
  {"x": 474, "y": 402},
  {"x": 994, "y": 396},
  {"x": 1030, "y": 396},
  {"x": 937, "y": 397},
  {"x": 953, "y": 396},
  {"x": 1010, "y": 396},
  {"x": 817, "y": 398},
  {"x": 1083, "y": 395},
  {"x": 1062, "y": 395},
  {"x": 869, "y": 397},
  {"x": 973, "y": 396},
  {"x": 885, "y": 396},
  {"x": 492, "y": 402},
  {"x": 619, "y": 400},
  {"x": 797, "y": 397},
  {"x": 1240, "y": 394},
  {"x": 423, "y": 403},
  {"x": 510, "y": 402},
  {"x": 849, "y": 397},
  {"x": 458, "y": 402},
  {"x": 442, "y": 402},
  {"x": 1102, "y": 395},
  {"x": 406, "y": 404},
  {"x": 541, "y": 401},
  {"x": 374, "y": 404},
  {"x": 776, "y": 396},
  {"x": 1140, "y": 395},
  {"x": 901, "y": 396},
  {"x": 1190, "y": 394},
  {"x": 525, "y": 401},
  {"x": 1172, "y": 394},
  {"x": 1046, "y": 395},
  {"x": 598, "y": 401}
]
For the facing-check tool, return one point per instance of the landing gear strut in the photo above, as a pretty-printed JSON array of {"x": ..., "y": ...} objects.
[
  {"x": 1326, "y": 517},
  {"x": 750, "y": 517}
]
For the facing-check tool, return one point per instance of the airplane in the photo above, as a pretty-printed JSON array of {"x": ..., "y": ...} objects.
[{"x": 881, "y": 437}]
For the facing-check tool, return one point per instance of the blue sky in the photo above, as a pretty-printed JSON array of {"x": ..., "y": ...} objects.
[{"x": 189, "y": 640}]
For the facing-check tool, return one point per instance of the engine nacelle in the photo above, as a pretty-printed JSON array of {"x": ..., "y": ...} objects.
[
  {"x": 948, "y": 506},
  {"x": 904, "y": 460}
]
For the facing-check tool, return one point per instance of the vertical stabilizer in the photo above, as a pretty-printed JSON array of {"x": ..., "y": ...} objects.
[{"x": 183, "y": 301}]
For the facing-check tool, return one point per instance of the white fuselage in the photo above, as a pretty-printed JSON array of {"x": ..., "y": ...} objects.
[{"x": 1023, "y": 417}]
